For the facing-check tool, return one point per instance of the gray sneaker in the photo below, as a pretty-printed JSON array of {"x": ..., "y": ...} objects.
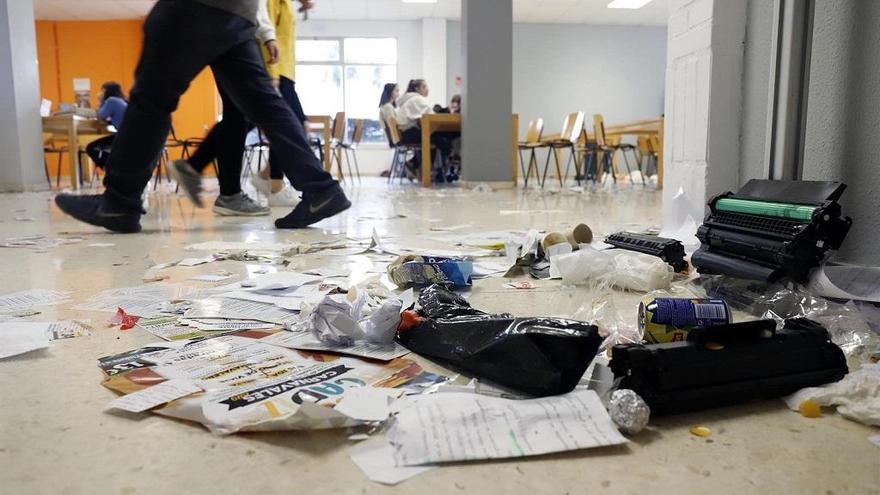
[
  {"x": 239, "y": 205},
  {"x": 191, "y": 181}
]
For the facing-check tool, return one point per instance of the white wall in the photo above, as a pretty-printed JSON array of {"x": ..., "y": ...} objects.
[
  {"x": 703, "y": 103},
  {"x": 617, "y": 71}
]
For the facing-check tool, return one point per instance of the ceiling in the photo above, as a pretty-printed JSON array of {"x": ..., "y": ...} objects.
[{"x": 534, "y": 11}]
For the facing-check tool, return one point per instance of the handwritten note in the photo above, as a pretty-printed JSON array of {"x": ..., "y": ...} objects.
[
  {"x": 156, "y": 395},
  {"x": 470, "y": 426}
]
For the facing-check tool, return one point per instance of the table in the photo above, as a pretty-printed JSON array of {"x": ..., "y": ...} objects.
[
  {"x": 451, "y": 122},
  {"x": 324, "y": 123},
  {"x": 71, "y": 126},
  {"x": 651, "y": 127}
]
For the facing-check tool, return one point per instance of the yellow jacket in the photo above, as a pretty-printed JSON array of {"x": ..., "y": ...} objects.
[{"x": 282, "y": 18}]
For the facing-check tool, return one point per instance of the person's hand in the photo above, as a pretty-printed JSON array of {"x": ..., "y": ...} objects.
[
  {"x": 306, "y": 5},
  {"x": 276, "y": 83},
  {"x": 274, "y": 51}
]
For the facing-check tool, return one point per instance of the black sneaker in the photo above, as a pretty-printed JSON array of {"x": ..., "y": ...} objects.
[
  {"x": 313, "y": 208},
  {"x": 95, "y": 210},
  {"x": 189, "y": 179}
]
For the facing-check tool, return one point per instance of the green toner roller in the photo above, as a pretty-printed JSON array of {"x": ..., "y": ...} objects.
[{"x": 771, "y": 229}]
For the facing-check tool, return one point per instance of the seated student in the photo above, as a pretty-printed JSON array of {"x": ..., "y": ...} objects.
[
  {"x": 455, "y": 104},
  {"x": 111, "y": 108},
  {"x": 388, "y": 102},
  {"x": 410, "y": 108},
  {"x": 388, "y": 109}
]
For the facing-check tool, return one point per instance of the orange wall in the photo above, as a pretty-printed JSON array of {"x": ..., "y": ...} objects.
[{"x": 108, "y": 51}]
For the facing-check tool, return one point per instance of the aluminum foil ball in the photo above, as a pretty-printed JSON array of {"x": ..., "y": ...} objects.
[{"x": 629, "y": 411}]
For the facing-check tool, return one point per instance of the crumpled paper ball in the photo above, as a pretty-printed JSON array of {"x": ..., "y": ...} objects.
[{"x": 629, "y": 411}]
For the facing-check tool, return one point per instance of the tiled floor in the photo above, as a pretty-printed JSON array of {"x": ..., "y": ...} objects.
[{"x": 54, "y": 437}]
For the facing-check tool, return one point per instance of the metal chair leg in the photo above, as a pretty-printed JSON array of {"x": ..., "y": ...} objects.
[
  {"x": 348, "y": 163},
  {"x": 357, "y": 167},
  {"x": 58, "y": 174},
  {"x": 522, "y": 167},
  {"x": 628, "y": 169},
  {"x": 550, "y": 151}
]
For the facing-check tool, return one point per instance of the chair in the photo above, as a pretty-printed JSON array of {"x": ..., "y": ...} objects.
[
  {"x": 259, "y": 148},
  {"x": 610, "y": 149},
  {"x": 51, "y": 146},
  {"x": 401, "y": 150},
  {"x": 337, "y": 138},
  {"x": 533, "y": 141},
  {"x": 572, "y": 127},
  {"x": 351, "y": 147}
]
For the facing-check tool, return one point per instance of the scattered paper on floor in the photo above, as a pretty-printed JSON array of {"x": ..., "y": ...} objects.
[
  {"x": 22, "y": 337},
  {"x": 469, "y": 426},
  {"x": 31, "y": 298},
  {"x": 154, "y": 396},
  {"x": 375, "y": 457}
]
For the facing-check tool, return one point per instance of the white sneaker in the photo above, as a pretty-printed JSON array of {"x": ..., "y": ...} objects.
[
  {"x": 285, "y": 197},
  {"x": 260, "y": 184}
]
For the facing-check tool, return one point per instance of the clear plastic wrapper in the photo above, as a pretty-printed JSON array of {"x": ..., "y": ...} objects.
[
  {"x": 613, "y": 268},
  {"x": 536, "y": 356},
  {"x": 614, "y": 326},
  {"x": 848, "y": 324}
]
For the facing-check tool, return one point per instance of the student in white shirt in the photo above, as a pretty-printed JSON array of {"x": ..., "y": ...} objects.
[{"x": 388, "y": 102}]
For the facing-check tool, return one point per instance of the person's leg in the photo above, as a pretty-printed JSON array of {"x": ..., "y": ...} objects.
[
  {"x": 207, "y": 150},
  {"x": 230, "y": 146},
  {"x": 273, "y": 172},
  {"x": 99, "y": 150},
  {"x": 180, "y": 39},
  {"x": 288, "y": 92},
  {"x": 241, "y": 73}
]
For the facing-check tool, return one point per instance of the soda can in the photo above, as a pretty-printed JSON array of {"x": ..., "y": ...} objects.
[{"x": 665, "y": 319}]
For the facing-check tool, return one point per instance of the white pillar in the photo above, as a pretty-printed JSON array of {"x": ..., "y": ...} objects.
[
  {"x": 434, "y": 58},
  {"x": 487, "y": 92},
  {"x": 21, "y": 143},
  {"x": 703, "y": 101}
]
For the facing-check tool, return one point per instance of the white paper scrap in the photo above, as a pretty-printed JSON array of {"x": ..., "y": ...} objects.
[
  {"x": 33, "y": 297},
  {"x": 470, "y": 426},
  {"x": 67, "y": 329},
  {"x": 21, "y": 337},
  {"x": 195, "y": 261},
  {"x": 368, "y": 403},
  {"x": 375, "y": 457},
  {"x": 306, "y": 341},
  {"x": 846, "y": 282},
  {"x": 875, "y": 439},
  {"x": 210, "y": 278},
  {"x": 240, "y": 310},
  {"x": 156, "y": 395}
]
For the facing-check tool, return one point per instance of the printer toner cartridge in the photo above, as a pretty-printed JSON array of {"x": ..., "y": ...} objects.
[{"x": 771, "y": 229}]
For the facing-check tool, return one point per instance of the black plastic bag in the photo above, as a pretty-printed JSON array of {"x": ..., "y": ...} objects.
[{"x": 536, "y": 356}]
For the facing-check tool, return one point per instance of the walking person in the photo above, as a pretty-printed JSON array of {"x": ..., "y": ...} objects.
[{"x": 182, "y": 37}]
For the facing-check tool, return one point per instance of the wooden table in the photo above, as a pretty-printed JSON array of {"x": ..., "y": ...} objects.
[
  {"x": 652, "y": 127},
  {"x": 324, "y": 123},
  {"x": 451, "y": 122},
  {"x": 72, "y": 126}
]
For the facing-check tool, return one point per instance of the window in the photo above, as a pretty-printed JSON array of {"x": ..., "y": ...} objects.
[{"x": 346, "y": 75}]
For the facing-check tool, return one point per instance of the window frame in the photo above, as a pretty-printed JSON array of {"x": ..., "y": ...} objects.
[{"x": 341, "y": 63}]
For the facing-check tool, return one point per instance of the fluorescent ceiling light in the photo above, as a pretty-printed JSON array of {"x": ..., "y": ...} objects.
[
  {"x": 626, "y": 4},
  {"x": 428, "y": 1}
]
